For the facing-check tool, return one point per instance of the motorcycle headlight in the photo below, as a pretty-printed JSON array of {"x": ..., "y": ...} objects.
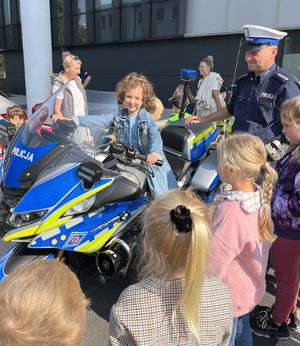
[
  {"x": 81, "y": 207},
  {"x": 17, "y": 220}
]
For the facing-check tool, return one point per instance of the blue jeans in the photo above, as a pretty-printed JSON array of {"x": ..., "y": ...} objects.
[{"x": 241, "y": 334}]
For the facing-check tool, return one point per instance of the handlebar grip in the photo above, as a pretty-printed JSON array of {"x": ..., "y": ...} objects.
[
  {"x": 144, "y": 158},
  {"x": 141, "y": 157}
]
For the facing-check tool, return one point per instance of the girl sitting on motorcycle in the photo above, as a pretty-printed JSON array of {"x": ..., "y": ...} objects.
[
  {"x": 134, "y": 126},
  {"x": 174, "y": 304}
]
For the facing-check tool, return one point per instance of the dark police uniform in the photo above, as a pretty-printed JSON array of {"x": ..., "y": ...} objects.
[{"x": 256, "y": 102}]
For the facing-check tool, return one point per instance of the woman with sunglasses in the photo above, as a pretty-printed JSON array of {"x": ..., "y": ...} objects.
[{"x": 72, "y": 100}]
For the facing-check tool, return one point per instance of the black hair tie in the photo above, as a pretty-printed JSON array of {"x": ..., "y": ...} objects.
[{"x": 181, "y": 218}]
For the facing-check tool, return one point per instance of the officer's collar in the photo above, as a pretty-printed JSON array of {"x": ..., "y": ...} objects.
[{"x": 263, "y": 76}]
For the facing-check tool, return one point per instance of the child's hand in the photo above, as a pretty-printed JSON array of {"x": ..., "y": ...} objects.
[{"x": 152, "y": 158}]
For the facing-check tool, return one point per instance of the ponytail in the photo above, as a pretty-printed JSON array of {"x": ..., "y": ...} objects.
[{"x": 176, "y": 244}]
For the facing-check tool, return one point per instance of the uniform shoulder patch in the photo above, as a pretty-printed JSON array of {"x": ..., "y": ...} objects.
[{"x": 282, "y": 77}]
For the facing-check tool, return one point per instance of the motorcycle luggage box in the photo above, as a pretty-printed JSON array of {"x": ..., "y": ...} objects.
[{"x": 188, "y": 141}]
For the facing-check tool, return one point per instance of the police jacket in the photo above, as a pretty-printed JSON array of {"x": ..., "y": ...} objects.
[{"x": 256, "y": 102}]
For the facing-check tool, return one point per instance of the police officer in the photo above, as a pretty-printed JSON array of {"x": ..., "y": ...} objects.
[{"x": 257, "y": 97}]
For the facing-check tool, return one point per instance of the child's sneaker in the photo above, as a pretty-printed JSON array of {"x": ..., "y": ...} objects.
[
  {"x": 263, "y": 325},
  {"x": 292, "y": 324}
]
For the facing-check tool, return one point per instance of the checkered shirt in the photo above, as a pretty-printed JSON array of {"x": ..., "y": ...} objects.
[{"x": 143, "y": 315}]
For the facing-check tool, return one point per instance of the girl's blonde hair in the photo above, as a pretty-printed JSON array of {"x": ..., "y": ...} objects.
[
  {"x": 290, "y": 111},
  {"x": 169, "y": 252},
  {"x": 247, "y": 154},
  {"x": 133, "y": 80}
]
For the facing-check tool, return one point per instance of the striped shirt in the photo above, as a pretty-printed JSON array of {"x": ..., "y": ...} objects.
[{"x": 143, "y": 315}]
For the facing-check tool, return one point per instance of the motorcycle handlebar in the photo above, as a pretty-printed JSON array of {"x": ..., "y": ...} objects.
[
  {"x": 144, "y": 158},
  {"x": 120, "y": 149}
]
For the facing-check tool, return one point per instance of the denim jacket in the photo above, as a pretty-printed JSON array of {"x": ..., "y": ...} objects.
[
  {"x": 148, "y": 133},
  {"x": 149, "y": 137},
  {"x": 286, "y": 199}
]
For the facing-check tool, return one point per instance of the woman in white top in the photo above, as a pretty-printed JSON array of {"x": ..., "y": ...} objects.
[
  {"x": 208, "y": 98},
  {"x": 72, "y": 100}
]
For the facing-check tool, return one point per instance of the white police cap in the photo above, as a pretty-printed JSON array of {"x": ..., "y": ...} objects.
[{"x": 258, "y": 37}]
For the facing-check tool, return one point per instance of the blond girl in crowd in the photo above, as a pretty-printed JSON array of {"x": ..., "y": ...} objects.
[
  {"x": 242, "y": 227},
  {"x": 174, "y": 304},
  {"x": 155, "y": 108}
]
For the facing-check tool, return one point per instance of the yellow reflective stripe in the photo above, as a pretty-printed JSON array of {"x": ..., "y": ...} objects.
[
  {"x": 24, "y": 233},
  {"x": 97, "y": 243},
  {"x": 202, "y": 134},
  {"x": 53, "y": 220},
  {"x": 47, "y": 225}
]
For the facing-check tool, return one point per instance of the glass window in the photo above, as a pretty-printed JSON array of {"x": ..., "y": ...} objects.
[
  {"x": 131, "y": 22},
  {"x": 2, "y": 67},
  {"x": 291, "y": 55},
  {"x": 57, "y": 8},
  {"x": 57, "y": 32},
  {"x": 103, "y": 4},
  {"x": 175, "y": 13},
  {"x": 7, "y": 12},
  {"x": 60, "y": 8},
  {"x": 160, "y": 13},
  {"x": 82, "y": 28},
  {"x": 291, "y": 63},
  {"x": 81, "y": 5},
  {"x": 164, "y": 21},
  {"x": 131, "y": 2},
  {"x": 12, "y": 36},
  {"x": 104, "y": 26}
]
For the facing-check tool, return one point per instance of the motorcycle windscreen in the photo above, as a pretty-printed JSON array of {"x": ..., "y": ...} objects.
[
  {"x": 29, "y": 145},
  {"x": 41, "y": 145}
]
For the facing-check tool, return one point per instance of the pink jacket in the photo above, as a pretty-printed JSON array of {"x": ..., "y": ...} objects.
[{"x": 238, "y": 257}]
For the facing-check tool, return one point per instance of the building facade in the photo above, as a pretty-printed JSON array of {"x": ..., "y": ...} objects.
[{"x": 155, "y": 37}]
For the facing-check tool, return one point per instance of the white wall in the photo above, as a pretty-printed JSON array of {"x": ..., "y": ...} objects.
[{"x": 213, "y": 17}]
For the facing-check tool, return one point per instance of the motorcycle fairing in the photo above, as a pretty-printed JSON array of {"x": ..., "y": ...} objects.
[
  {"x": 88, "y": 233},
  {"x": 22, "y": 156},
  {"x": 206, "y": 176},
  {"x": 55, "y": 191},
  {"x": 53, "y": 218},
  {"x": 11, "y": 259}
]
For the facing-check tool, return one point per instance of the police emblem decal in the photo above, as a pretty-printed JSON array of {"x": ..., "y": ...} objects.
[{"x": 75, "y": 238}]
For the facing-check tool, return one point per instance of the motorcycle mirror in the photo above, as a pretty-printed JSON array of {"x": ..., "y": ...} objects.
[{"x": 90, "y": 172}]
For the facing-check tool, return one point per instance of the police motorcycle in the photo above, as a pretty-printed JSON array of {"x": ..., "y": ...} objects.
[
  {"x": 69, "y": 200},
  {"x": 190, "y": 149}
]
